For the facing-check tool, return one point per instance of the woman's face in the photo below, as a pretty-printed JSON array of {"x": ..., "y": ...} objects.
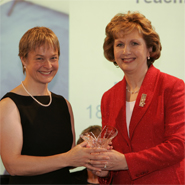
[
  {"x": 41, "y": 64},
  {"x": 130, "y": 53}
]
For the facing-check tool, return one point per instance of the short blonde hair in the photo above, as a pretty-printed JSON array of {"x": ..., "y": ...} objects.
[
  {"x": 37, "y": 37},
  {"x": 124, "y": 24}
]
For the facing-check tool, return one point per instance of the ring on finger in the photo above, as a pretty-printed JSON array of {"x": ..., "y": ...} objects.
[{"x": 105, "y": 166}]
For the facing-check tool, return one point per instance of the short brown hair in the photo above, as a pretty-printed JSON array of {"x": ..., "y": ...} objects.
[
  {"x": 36, "y": 37},
  {"x": 95, "y": 129},
  {"x": 125, "y": 23}
]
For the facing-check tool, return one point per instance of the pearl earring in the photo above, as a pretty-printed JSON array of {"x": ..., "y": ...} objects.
[{"x": 148, "y": 57}]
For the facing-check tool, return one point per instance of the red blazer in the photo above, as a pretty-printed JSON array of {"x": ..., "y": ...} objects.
[{"x": 155, "y": 150}]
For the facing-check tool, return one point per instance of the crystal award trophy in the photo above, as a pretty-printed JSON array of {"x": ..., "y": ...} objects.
[{"x": 102, "y": 141}]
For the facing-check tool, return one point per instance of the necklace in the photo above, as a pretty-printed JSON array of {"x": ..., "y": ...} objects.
[
  {"x": 36, "y": 99},
  {"x": 132, "y": 92}
]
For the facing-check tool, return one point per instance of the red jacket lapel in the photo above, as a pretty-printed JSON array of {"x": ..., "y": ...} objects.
[
  {"x": 148, "y": 87},
  {"x": 121, "y": 114}
]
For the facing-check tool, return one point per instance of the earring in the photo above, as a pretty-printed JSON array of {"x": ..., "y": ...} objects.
[
  {"x": 114, "y": 62},
  {"x": 24, "y": 67},
  {"x": 148, "y": 57}
]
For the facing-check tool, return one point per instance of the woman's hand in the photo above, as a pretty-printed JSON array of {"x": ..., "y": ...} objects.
[
  {"x": 116, "y": 161},
  {"x": 80, "y": 155}
]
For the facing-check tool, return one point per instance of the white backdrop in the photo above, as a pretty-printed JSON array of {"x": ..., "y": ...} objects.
[{"x": 90, "y": 74}]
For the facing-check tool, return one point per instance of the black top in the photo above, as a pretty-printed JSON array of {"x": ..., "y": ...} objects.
[{"x": 46, "y": 131}]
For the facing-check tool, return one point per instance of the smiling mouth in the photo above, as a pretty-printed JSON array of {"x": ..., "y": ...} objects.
[
  {"x": 45, "y": 73},
  {"x": 127, "y": 60}
]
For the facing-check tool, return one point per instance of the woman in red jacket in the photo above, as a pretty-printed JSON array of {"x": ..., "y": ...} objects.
[{"x": 147, "y": 107}]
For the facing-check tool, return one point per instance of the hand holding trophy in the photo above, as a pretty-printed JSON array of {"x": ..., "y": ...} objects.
[{"x": 101, "y": 141}]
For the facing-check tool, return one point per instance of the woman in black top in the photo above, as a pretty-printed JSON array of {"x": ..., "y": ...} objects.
[{"x": 37, "y": 126}]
